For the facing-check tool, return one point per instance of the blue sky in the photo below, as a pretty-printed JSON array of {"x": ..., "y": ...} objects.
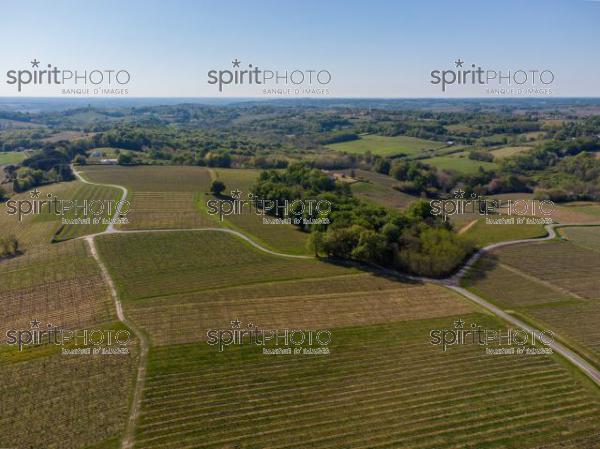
[{"x": 372, "y": 48}]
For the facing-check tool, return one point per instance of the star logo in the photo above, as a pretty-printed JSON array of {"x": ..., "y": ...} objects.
[
  {"x": 35, "y": 323},
  {"x": 459, "y": 63},
  {"x": 460, "y": 193},
  {"x": 35, "y": 193},
  {"x": 236, "y": 62},
  {"x": 35, "y": 63},
  {"x": 459, "y": 324},
  {"x": 235, "y": 324},
  {"x": 236, "y": 194}
]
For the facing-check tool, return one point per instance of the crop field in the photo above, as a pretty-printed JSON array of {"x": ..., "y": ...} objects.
[
  {"x": 387, "y": 146},
  {"x": 43, "y": 228},
  {"x": 157, "y": 264},
  {"x": 81, "y": 193},
  {"x": 586, "y": 236},
  {"x": 459, "y": 162},
  {"x": 379, "y": 189},
  {"x": 577, "y": 212},
  {"x": 60, "y": 284},
  {"x": 75, "y": 400},
  {"x": 11, "y": 157},
  {"x": 65, "y": 402},
  {"x": 504, "y": 152},
  {"x": 332, "y": 302},
  {"x": 34, "y": 230},
  {"x": 279, "y": 237},
  {"x": 160, "y": 197},
  {"x": 484, "y": 234},
  {"x": 382, "y": 386},
  {"x": 166, "y": 210},
  {"x": 151, "y": 178},
  {"x": 554, "y": 284}
]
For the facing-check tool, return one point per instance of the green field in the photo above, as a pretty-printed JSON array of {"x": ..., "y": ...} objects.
[
  {"x": 380, "y": 190},
  {"x": 43, "y": 228},
  {"x": 504, "y": 152},
  {"x": 11, "y": 157},
  {"x": 459, "y": 162},
  {"x": 484, "y": 234},
  {"x": 225, "y": 260},
  {"x": 381, "y": 386},
  {"x": 387, "y": 146}
]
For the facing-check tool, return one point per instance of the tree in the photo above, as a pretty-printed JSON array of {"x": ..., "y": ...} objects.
[
  {"x": 217, "y": 187},
  {"x": 9, "y": 246},
  {"x": 124, "y": 159},
  {"x": 316, "y": 242},
  {"x": 3, "y": 194},
  {"x": 80, "y": 159}
]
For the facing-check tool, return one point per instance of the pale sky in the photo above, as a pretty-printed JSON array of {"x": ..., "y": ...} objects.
[{"x": 371, "y": 48}]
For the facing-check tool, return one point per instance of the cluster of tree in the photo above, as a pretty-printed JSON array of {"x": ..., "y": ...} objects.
[
  {"x": 415, "y": 241},
  {"x": 9, "y": 246},
  {"x": 480, "y": 155},
  {"x": 47, "y": 167}
]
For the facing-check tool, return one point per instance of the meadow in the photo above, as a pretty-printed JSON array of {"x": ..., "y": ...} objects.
[
  {"x": 504, "y": 152},
  {"x": 46, "y": 227},
  {"x": 483, "y": 234},
  {"x": 459, "y": 162},
  {"x": 387, "y": 146},
  {"x": 11, "y": 157},
  {"x": 380, "y": 190}
]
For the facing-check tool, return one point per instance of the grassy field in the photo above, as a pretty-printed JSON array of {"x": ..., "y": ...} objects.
[
  {"x": 504, "y": 152},
  {"x": 387, "y": 146},
  {"x": 41, "y": 229},
  {"x": 85, "y": 398},
  {"x": 11, "y": 157},
  {"x": 554, "y": 284},
  {"x": 459, "y": 162},
  {"x": 379, "y": 189},
  {"x": 484, "y": 234}
]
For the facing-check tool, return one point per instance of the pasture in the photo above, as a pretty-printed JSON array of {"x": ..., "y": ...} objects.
[
  {"x": 459, "y": 162},
  {"x": 380, "y": 190},
  {"x": 483, "y": 234},
  {"x": 504, "y": 152},
  {"x": 387, "y": 146},
  {"x": 11, "y": 157}
]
